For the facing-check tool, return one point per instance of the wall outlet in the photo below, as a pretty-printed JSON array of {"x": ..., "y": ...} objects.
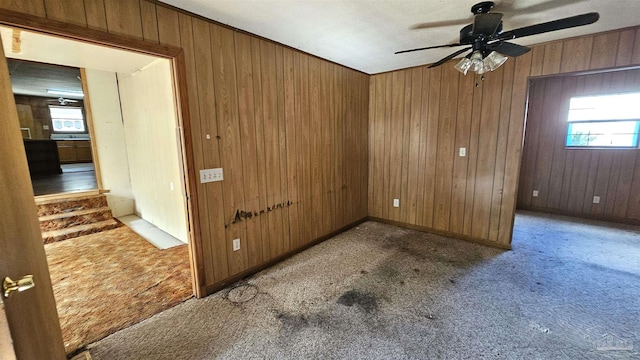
[
  {"x": 236, "y": 244},
  {"x": 45, "y": 127},
  {"x": 396, "y": 202},
  {"x": 596, "y": 199},
  {"x": 211, "y": 175},
  {"x": 462, "y": 152},
  {"x": 535, "y": 193}
]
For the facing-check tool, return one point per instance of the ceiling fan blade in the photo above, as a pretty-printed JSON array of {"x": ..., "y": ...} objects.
[
  {"x": 428, "y": 47},
  {"x": 509, "y": 49},
  {"x": 486, "y": 24},
  {"x": 566, "y": 23},
  {"x": 442, "y": 61},
  {"x": 508, "y": 6},
  {"x": 435, "y": 24}
]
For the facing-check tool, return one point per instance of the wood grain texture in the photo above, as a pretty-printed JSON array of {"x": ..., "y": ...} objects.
[
  {"x": 149, "y": 21},
  {"x": 71, "y": 11},
  {"x": 475, "y": 196},
  {"x": 124, "y": 17},
  {"x": 31, "y": 7}
]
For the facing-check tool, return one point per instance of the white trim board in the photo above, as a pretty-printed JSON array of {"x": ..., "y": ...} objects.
[{"x": 150, "y": 232}]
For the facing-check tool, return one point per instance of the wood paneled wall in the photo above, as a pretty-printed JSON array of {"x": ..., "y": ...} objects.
[
  {"x": 420, "y": 117},
  {"x": 38, "y": 108},
  {"x": 568, "y": 179},
  {"x": 289, "y": 129}
]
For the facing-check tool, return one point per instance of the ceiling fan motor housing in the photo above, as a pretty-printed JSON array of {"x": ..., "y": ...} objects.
[
  {"x": 466, "y": 34},
  {"x": 482, "y": 7}
]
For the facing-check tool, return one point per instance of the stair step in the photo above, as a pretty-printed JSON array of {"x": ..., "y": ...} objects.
[
  {"x": 73, "y": 218},
  {"x": 80, "y": 230},
  {"x": 55, "y": 206}
]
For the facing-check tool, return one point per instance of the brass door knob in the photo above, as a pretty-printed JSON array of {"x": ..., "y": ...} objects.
[{"x": 23, "y": 284}]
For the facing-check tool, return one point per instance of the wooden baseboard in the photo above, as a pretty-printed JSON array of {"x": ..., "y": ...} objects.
[
  {"x": 442, "y": 233},
  {"x": 210, "y": 289}
]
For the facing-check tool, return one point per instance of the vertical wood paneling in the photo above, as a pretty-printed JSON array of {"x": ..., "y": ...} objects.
[
  {"x": 445, "y": 153},
  {"x": 605, "y": 48},
  {"x": 188, "y": 46},
  {"x": 124, "y": 17},
  {"x": 576, "y": 54},
  {"x": 473, "y": 158},
  {"x": 149, "y": 21},
  {"x": 168, "y": 26},
  {"x": 282, "y": 143},
  {"x": 432, "y": 118},
  {"x": 304, "y": 146},
  {"x": 71, "y": 11},
  {"x": 475, "y": 196},
  {"x": 224, "y": 76},
  {"x": 246, "y": 115},
  {"x": 208, "y": 136},
  {"x": 415, "y": 130},
  {"x": 501, "y": 151},
  {"x": 31, "y": 7},
  {"x": 489, "y": 120},
  {"x": 406, "y": 143},
  {"x": 96, "y": 15},
  {"x": 461, "y": 163},
  {"x": 292, "y": 143},
  {"x": 395, "y": 144}
]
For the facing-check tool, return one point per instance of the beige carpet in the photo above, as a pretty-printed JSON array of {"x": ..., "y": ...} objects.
[
  {"x": 569, "y": 290},
  {"x": 107, "y": 281}
]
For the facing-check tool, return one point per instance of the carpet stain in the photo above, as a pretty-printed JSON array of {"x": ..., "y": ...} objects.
[
  {"x": 242, "y": 293},
  {"x": 292, "y": 323},
  {"x": 366, "y": 301}
]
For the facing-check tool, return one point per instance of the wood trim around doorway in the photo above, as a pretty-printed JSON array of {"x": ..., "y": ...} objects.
[{"x": 176, "y": 56}]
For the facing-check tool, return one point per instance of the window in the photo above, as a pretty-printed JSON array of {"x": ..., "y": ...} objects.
[
  {"x": 67, "y": 119},
  {"x": 604, "y": 121}
]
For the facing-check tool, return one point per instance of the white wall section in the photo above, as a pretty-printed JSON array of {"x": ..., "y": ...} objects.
[
  {"x": 150, "y": 123},
  {"x": 110, "y": 140}
]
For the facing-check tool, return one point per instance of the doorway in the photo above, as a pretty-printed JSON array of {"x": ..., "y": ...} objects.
[
  {"x": 138, "y": 153},
  {"x": 581, "y": 146},
  {"x": 49, "y": 101}
]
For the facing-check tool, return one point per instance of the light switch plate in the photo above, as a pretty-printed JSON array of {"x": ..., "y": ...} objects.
[
  {"x": 535, "y": 193},
  {"x": 211, "y": 175},
  {"x": 236, "y": 244},
  {"x": 463, "y": 151},
  {"x": 396, "y": 202},
  {"x": 596, "y": 199}
]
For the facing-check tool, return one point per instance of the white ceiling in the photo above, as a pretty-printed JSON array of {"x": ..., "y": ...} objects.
[
  {"x": 364, "y": 34},
  {"x": 34, "y": 79}
]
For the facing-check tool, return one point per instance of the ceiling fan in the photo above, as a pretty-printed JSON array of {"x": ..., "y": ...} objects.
[
  {"x": 488, "y": 42},
  {"x": 63, "y": 101}
]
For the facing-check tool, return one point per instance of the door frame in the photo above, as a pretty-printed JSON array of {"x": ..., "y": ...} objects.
[{"x": 177, "y": 58}]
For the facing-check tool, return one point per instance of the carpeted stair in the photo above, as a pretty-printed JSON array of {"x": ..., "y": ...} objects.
[{"x": 68, "y": 218}]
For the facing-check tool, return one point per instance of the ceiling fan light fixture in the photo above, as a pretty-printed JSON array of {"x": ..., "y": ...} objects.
[
  {"x": 477, "y": 64},
  {"x": 494, "y": 60},
  {"x": 463, "y": 66}
]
